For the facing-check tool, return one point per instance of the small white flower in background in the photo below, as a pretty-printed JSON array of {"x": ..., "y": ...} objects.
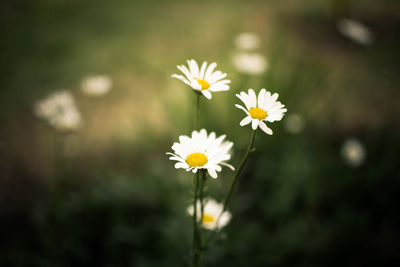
[
  {"x": 201, "y": 151},
  {"x": 259, "y": 110},
  {"x": 250, "y": 63},
  {"x": 96, "y": 85},
  {"x": 294, "y": 123},
  {"x": 203, "y": 79},
  {"x": 353, "y": 152},
  {"x": 247, "y": 41},
  {"x": 60, "y": 111},
  {"x": 355, "y": 31},
  {"x": 212, "y": 210}
]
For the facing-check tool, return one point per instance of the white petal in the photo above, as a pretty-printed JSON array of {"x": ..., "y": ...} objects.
[
  {"x": 276, "y": 116},
  {"x": 216, "y": 76},
  {"x": 267, "y": 99},
  {"x": 180, "y": 77},
  {"x": 212, "y": 173},
  {"x": 228, "y": 165},
  {"x": 244, "y": 98},
  {"x": 209, "y": 70},
  {"x": 219, "y": 88},
  {"x": 180, "y": 165},
  {"x": 222, "y": 82},
  {"x": 254, "y": 124},
  {"x": 194, "y": 68},
  {"x": 203, "y": 133},
  {"x": 252, "y": 98},
  {"x": 202, "y": 70},
  {"x": 195, "y": 85},
  {"x": 176, "y": 159},
  {"x": 271, "y": 101},
  {"x": 207, "y": 94},
  {"x": 261, "y": 97},
  {"x": 242, "y": 108},
  {"x": 265, "y": 128},
  {"x": 245, "y": 121},
  {"x": 185, "y": 71},
  {"x": 224, "y": 220},
  {"x": 183, "y": 139}
]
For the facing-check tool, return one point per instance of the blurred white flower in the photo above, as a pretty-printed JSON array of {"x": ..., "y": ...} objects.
[
  {"x": 353, "y": 152},
  {"x": 212, "y": 210},
  {"x": 247, "y": 41},
  {"x": 203, "y": 79},
  {"x": 294, "y": 123},
  {"x": 96, "y": 85},
  {"x": 250, "y": 63},
  {"x": 355, "y": 31},
  {"x": 263, "y": 108},
  {"x": 59, "y": 110},
  {"x": 201, "y": 152}
]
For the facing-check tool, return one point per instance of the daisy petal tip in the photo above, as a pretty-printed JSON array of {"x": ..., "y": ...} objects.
[
  {"x": 212, "y": 173},
  {"x": 207, "y": 94},
  {"x": 245, "y": 121},
  {"x": 254, "y": 124}
]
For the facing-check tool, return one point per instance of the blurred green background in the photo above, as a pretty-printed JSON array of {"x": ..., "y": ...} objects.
[{"x": 107, "y": 195}]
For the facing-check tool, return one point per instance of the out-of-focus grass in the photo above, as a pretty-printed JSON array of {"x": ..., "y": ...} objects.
[{"x": 107, "y": 195}]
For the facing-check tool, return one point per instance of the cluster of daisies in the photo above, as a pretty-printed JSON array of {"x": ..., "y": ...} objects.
[{"x": 209, "y": 152}]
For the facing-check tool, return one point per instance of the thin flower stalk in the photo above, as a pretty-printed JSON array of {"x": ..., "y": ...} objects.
[
  {"x": 197, "y": 116},
  {"x": 242, "y": 163},
  {"x": 196, "y": 251},
  {"x": 202, "y": 179},
  {"x": 233, "y": 185}
]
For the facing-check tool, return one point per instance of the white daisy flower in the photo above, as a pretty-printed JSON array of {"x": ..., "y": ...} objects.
[
  {"x": 355, "y": 31},
  {"x": 96, "y": 85},
  {"x": 247, "y": 41},
  {"x": 211, "y": 212},
  {"x": 201, "y": 152},
  {"x": 203, "y": 79},
  {"x": 250, "y": 63},
  {"x": 60, "y": 111},
  {"x": 265, "y": 108},
  {"x": 353, "y": 152}
]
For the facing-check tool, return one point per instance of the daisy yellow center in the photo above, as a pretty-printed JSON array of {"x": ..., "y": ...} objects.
[
  {"x": 196, "y": 159},
  {"x": 204, "y": 84},
  {"x": 258, "y": 113},
  {"x": 207, "y": 218}
]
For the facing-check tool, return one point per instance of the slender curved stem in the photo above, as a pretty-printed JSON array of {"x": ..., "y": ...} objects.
[
  {"x": 196, "y": 231},
  {"x": 242, "y": 163},
  {"x": 203, "y": 180},
  {"x": 201, "y": 199},
  {"x": 197, "y": 119},
  {"x": 232, "y": 187},
  {"x": 195, "y": 225}
]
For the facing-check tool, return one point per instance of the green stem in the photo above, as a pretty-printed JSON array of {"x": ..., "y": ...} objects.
[
  {"x": 201, "y": 199},
  {"x": 197, "y": 119},
  {"x": 196, "y": 231},
  {"x": 203, "y": 180},
  {"x": 241, "y": 165},
  {"x": 233, "y": 184},
  {"x": 195, "y": 225}
]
